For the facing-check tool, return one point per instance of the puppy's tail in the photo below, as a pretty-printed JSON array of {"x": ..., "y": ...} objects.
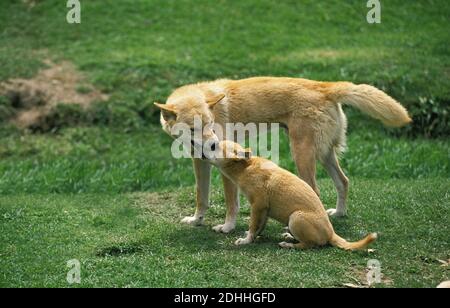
[
  {"x": 338, "y": 241},
  {"x": 371, "y": 101}
]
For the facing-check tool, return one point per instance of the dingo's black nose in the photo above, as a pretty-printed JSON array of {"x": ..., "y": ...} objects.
[{"x": 214, "y": 146}]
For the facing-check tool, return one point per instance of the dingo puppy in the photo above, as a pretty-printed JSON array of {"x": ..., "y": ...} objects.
[
  {"x": 276, "y": 193},
  {"x": 310, "y": 111}
]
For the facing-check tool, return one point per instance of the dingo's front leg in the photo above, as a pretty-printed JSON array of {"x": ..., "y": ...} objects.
[
  {"x": 232, "y": 202},
  {"x": 203, "y": 180},
  {"x": 258, "y": 220}
]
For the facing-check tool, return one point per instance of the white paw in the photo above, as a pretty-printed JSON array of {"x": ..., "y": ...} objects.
[
  {"x": 194, "y": 221},
  {"x": 287, "y": 236},
  {"x": 335, "y": 213},
  {"x": 286, "y": 245},
  {"x": 225, "y": 228},
  {"x": 243, "y": 241}
]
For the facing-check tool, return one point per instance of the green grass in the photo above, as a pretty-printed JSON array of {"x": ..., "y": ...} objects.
[
  {"x": 136, "y": 240},
  {"x": 90, "y": 160},
  {"x": 109, "y": 194},
  {"x": 114, "y": 200},
  {"x": 138, "y": 51}
]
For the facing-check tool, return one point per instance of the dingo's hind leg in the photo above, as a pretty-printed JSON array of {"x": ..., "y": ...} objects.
[
  {"x": 331, "y": 164},
  {"x": 308, "y": 230},
  {"x": 303, "y": 148},
  {"x": 288, "y": 237},
  {"x": 302, "y": 246}
]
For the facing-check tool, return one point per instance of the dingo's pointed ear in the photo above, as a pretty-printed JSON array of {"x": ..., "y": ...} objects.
[
  {"x": 168, "y": 108},
  {"x": 213, "y": 101},
  {"x": 168, "y": 111}
]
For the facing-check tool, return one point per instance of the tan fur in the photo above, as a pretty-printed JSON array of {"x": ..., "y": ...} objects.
[
  {"x": 310, "y": 110},
  {"x": 444, "y": 285},
  {"x": 371, "y": 101},
  {"x": 276, "y": 193}
]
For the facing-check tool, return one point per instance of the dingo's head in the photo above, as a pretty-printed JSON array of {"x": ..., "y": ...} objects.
[
  {"x": 194, "y": 113},
  {"x": 229, "y": 152}
]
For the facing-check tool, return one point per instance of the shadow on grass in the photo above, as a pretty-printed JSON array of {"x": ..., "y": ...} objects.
[
  {"x": 121, "y": 249},
  {"x": 341, "y": 224},
  {"x": 191, "y": 240}
]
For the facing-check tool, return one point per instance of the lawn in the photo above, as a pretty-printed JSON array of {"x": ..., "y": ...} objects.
[
  {"x": 106, "y": 191},
  {"x": 136, "y": 240}
]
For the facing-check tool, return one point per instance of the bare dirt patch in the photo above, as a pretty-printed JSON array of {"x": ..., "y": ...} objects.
[
  {"x": 30, "y": 3},
  {"x": 34, "y": 99}
]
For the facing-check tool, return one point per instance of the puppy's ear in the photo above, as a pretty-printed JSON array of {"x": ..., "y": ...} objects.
[
  {"x": 214, "y": 100},
  {"x": 168, "y": 111}
]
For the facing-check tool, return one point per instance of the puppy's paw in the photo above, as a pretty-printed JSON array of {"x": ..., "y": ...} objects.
[
  {"x": 286, "y": 245},
  {"x": 335, "y": 213},
  {"x": 225, "y": 228},
  {"x": 243, "y": 241},
  {"x": 287, "y": 236},
  {"x": 193, "y": 221}
]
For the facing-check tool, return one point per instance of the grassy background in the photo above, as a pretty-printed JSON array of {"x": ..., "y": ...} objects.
[
  {"x": 136, "y": 240},
  {"x": 108, "y": 193},
  {"x": 139, "y": 50}
]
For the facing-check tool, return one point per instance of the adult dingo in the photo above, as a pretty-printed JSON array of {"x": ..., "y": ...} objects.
[{"x": 310, "y": 111}]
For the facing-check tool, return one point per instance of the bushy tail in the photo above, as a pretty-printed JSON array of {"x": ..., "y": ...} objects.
[
  {"x": 338, "y": 241},
  {"x": 371, "y": 101}
]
